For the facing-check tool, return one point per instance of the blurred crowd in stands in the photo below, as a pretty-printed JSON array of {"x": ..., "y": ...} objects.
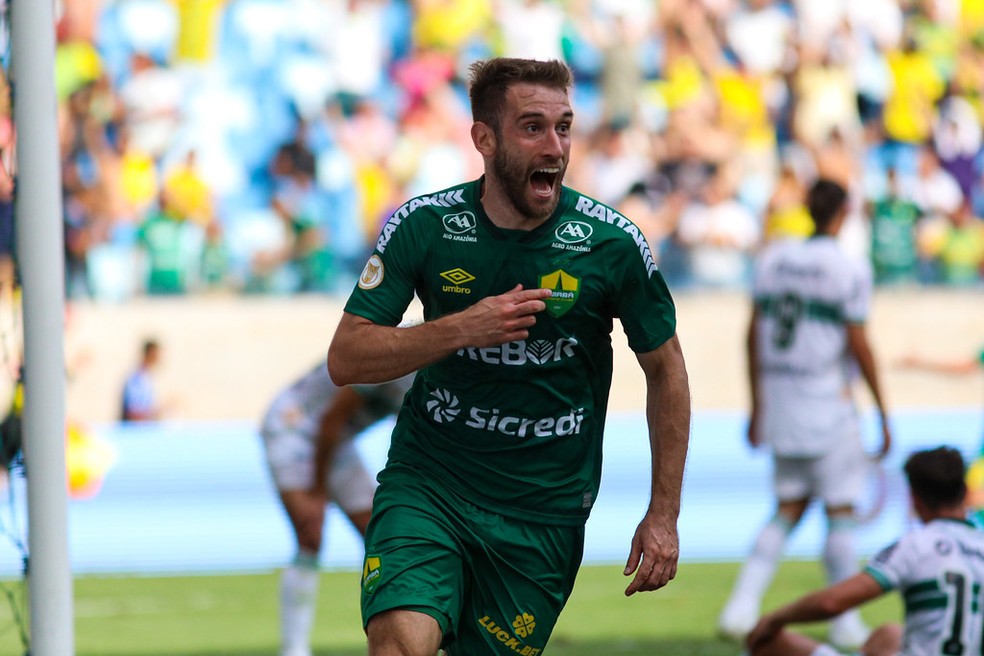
[{"x": 256, "y": 146}]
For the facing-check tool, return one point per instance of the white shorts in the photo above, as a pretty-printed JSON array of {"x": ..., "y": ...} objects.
[
  {"x": 290, "y": 457},
  {"x": 837, "y": 477}
]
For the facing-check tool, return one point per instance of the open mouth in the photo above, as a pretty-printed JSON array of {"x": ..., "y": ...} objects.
[{"x": 544, "y": 180}]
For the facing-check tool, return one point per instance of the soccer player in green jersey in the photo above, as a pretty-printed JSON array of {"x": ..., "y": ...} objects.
[{"x": 495, "y": 461}]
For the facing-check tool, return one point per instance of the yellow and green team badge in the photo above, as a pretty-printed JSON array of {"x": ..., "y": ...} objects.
[
  {"x": 371, "y": 574},
  {"x": 565, "y": 289}
]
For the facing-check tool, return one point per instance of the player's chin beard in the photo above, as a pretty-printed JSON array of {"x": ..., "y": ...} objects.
[{"x": 515, "y": 181}]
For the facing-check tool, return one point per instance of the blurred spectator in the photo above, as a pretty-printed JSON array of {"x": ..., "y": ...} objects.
[
  {"x": 957, "y": 141},
  {"x": 369, "y": 137},
  {"x": 761, "y": 32},
  {"x": 451, "y": 26},
  {"x": 826, "y": 97},
  {"x": 530, "y": 28},
  {"x": 151, "y": 96},
  {"x": 302, "y": 262},
  {"x": 358, "y": 48},
  {"x": 954, "y": 247},
  {"x": 81, "y": 141},
  {"x": 434, "y": 145},
  {"x": 170, "y": 245},
  {"x": 140, "y": 400},
  {"x": 189, "y": 198},
  {"x": 616, "y": 160},
  {"x": 933, "y": 25},
  {"x": 622, "y": 75},
  {"x": 910, "y": 108},
  {"x": 933, "y": 189},
  {"x": 213, "y": 274},
  {"x": 786, "y": 214},
  {"x": 818, "y": 22},
  {"x": 894, "y": 256},
  {"x": 720, "y": 235},
  {"x": 197, "y": 30},
  {"x": 129, "y": 183},
  {"x": 187, "y": 194}
]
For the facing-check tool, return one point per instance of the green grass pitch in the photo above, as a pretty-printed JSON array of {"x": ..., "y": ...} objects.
[{"x": 237, "y": 614}]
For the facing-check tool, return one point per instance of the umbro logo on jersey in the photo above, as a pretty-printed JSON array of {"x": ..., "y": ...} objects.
[
  {"x": 457, "y": 277},
  {"x": 459, "y": 223},
  {"x": 573, "y": 232}
]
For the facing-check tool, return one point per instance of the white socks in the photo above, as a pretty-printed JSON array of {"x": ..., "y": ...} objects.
[
  {"x": 742, "y": 610},
  {"x": 840, "y": 561},
  {"x": 298, "y": 593},
  {"x": 760, "y": 566}
]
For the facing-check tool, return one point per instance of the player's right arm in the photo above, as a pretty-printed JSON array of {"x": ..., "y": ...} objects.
[
  {"x": 346, "y": 402},
  {"x": 752, "y": 356},
  {"x": 860, "y": 348},
  {"x": 815, "y": 606},
  {"x": 362, "y": 351},
  {"x": 946, "y": 367}
]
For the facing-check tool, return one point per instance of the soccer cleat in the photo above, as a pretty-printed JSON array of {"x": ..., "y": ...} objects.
[
  {"x": 848, "y": 632},
  {"x": 737, "y": 619}
]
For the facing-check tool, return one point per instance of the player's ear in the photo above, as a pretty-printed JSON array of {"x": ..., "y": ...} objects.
[{"x": 483, "y": 136}]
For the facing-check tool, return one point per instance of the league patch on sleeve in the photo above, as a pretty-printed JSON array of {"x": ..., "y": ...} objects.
[{"x": 372, "y": 274}]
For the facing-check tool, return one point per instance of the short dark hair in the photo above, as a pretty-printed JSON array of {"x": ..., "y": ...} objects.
[
  {"x": 824, "y": 200},
  {"x": 937, "y": 477},
  {"x": 490, "y": 79},
  {"x": 149, "y": 344}
]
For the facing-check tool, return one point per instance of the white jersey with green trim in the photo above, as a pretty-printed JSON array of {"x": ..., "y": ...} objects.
[
  {"x": 939, "y": 571},
  {"x": 300, "y": 406},
  {"x": 516, "y": 428},
  {"x": 806, "y": 292}
]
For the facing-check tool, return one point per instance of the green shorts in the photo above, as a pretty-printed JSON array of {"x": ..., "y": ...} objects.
[{"x": 494, "y": 584}]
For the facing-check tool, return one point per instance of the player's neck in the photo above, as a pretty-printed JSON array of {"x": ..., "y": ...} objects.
[
  {"x": 956, "y": 513},
  {"x": 502, "y": 211}
]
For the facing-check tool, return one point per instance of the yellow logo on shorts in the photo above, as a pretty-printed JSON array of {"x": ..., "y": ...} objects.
[
  {"x": 371, "y": 573},
  {"x": 523, "y": 626}
]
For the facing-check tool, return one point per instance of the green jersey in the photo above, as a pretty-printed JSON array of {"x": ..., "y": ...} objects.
[
  {"x": 515, "y": 428},
  {"x": 163, "y": 237}
]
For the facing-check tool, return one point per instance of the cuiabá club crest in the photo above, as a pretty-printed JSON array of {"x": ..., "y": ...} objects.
[{"x": 565, "y": 288}]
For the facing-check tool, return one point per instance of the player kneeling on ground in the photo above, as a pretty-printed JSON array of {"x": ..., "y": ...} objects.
[{"x": 938, "y": 569}]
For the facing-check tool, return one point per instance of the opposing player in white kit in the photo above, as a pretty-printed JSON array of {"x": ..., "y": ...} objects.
[
  {"x": 308, "y": 434},
  {"x": 938, "y": 569},
  {"x": 806, "y": 339}
]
